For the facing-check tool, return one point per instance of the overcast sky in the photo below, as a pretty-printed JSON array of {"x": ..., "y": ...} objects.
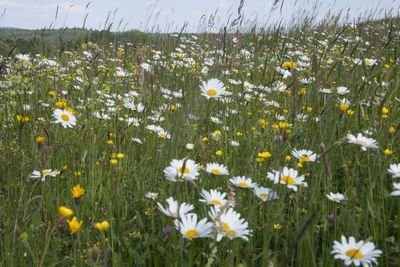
[{"x": 170, "y": 15}]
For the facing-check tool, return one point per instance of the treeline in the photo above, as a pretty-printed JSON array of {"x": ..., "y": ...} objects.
[{"x": 48, "y": 42}]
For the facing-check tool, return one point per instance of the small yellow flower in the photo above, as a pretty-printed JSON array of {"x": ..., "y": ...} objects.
[
  {"x": 77, "y": 173},
  {"x": 21, "y": 119},
  {"x": 350, "y": 112},
  {"x": 65, "y": 212},
  {"x": 219, "y": 153},
  {"x": 262, "y": 123},
  {"x": 120, "y": 156},
  {"x": 385, "y": 110},
  {"x": 388, "y": 152},
  {"x": 77, "y": 191},
  {"x": 392, "y": 130},
  {"x": 283, "y": 125},
  {"x": 61, "y": 104},
  {"x": 40, "y": 139},
  {"x": 74, "y": 225},
  {"x": 289, "y": 65},
  {"x": 173, "y": 107},
  {"x": 277, "y": 226},
  {"x": 110, "y": 141},
  {"x": 113, "y": 161},
  {"x": 309, "y": 109},
  {"x": 302, "y": 91},
  {"x": 299, "y": 165},
  {"x": 264, "y": 154},
  {"x": 288, "y": 158},
  {"x": 386, "y": 66},
  {"x": 102, "y": 226},
  {"x": 260, "y": 160},
  {"x": 343, "y": 107},
  {"x": 52, "y": 93}
]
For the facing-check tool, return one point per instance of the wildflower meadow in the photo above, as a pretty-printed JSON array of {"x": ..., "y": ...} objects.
[{"x": 268, "y": 147}]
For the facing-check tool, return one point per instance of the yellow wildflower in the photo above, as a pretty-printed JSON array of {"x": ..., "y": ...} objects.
[
  {"x": 102, "y": 226},
  {"x": 74, "y": 225},
  {"x": 289, "y": 65},
  {"x": 40, "y": 139},
  {"x": 65, "y": 212},
  {"x": 21, "y": 119},
  {"x": 77, "y": 191}
]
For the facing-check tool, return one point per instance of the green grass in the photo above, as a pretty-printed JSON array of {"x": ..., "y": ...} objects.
[{"x": 33, "y": 233}]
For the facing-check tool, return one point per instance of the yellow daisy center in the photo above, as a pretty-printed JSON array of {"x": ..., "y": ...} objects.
[
  {"x": 216, "y": 171},
  {"x": 263, "y": 195},
  {"x": 211, "y": 92},
  {"x": 368, "y": 62},
  {"x": 185, "y": 171},
  {"x": 215, "y": 202},
  {"x": 288, "y": 180},
  {"x": 243, "y": 185},
  {"x": 65, "y": 117},
  {"x": 361, "y": 142},
  {"x": 305, "y": 158},
  {"x": 354, "y": 254},
  {"x": 231, "y": 233},
  {"x": 225, "y": 226},
  {"x": 192, "y": 233},
  {"x": 335, "y": 199},
  {"x": 44, "y": 173}
]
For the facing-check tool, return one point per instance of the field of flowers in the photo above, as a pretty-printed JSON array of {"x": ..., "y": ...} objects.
[{"x": 278, "y": 148}]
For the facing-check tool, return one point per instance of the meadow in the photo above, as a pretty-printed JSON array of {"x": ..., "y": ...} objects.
[{"x": 265, "y": 148}]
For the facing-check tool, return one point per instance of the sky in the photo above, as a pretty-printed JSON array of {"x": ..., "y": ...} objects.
[{"x": 172, "y": 15}]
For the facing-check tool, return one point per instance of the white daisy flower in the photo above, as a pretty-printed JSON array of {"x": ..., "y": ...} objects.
[
  {"x": 189, "y": 146},
  {"x": 304, "y": 155},
  {"x": 182, "y": 169},
  {"x": 43, "y": 174},
  {"x": 137, "y": 140},
  {"x": 164, "y": 134},
  {"x": 342, "y": 90},
  {"x": 217, "y": 169},
  {"x": 370, "y": 61},
  {"x": 336, "y": 197},
  {"x": 234, "y": 143},
  {"x": 396, "y": 192},
  {"x": 287, "y": 176},
  {"x": 213, "y": 197},
  {"x": 190, "y": 228},
  {"x": 356, "y": 253},
  {"x": 265, "y": 193},
  {"x": 394, "y": 170},
  {"x": 229, "y": 224},
  {"x": 213, "y": 88},
  {"x": 363, "y": 141},
  {"x": 175, "y": 210},
  {"x": 152, "y": 195},
  {"x": 242, "y": 182},
  {"x": 65, "y": 117},
  {"x": 325, "y": 90}
]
